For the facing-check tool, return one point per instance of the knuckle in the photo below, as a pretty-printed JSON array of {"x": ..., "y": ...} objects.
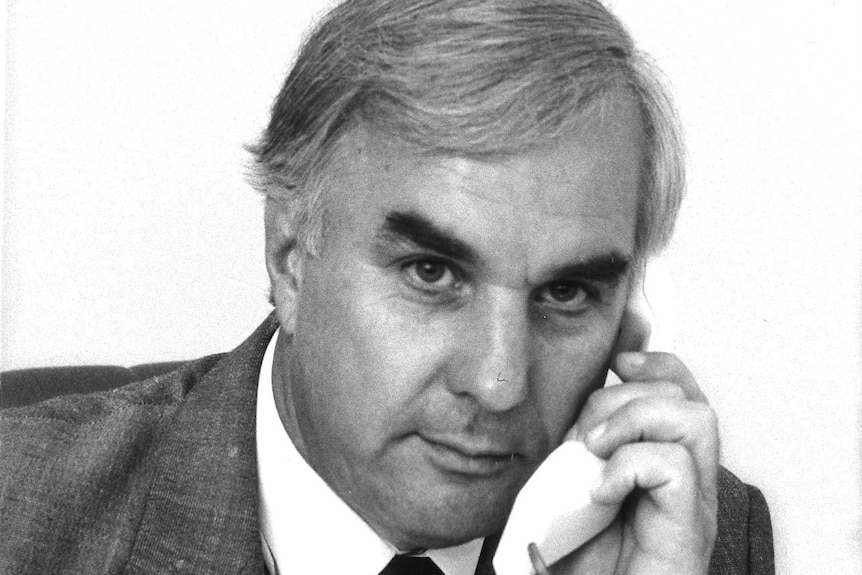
[
  {"x": 705, "y": 416},
  {"x": 665, "y": 357},
  {"x": 640, "y": 410},
  {"x": 594, "y": 401},
  {"x": 628, "y": 416},
  {"x": 629, "y": 452},
  {"x": 670, "y": 389},
  {"x": 666, "y": 361},
  {"x": 671, "y": 366},
  {"x": 655, "y": 404},
  {"x": 680, "y": 459}
]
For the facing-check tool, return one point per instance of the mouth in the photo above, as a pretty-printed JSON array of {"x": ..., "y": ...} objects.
[{"x": 469, "y": 458}]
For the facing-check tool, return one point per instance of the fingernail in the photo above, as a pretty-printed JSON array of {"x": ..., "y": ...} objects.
[{"x": 596, "y": 432}]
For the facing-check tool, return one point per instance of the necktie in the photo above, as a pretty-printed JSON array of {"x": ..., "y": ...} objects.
[{"x": 409, "y": 565}]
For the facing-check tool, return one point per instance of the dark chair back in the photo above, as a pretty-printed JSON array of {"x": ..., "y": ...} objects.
[{"x": 25, "y": 386}]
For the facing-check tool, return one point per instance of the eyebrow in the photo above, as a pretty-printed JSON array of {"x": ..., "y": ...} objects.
[
  {"x": 609, "y": 268},
  {"x": 419, "y": 230},
  {"x": 415, "y": 228}
]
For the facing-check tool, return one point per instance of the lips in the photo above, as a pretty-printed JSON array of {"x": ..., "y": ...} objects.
[{"x": 469, "y": 458}]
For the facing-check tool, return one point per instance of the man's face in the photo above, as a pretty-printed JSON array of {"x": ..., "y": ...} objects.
[{"x": 458, "y": 318}]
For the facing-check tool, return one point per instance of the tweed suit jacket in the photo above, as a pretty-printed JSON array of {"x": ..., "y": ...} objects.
[{"x": 160, "y": 476}]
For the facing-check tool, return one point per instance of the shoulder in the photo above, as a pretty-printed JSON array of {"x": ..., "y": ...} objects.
[
  {"x": 137, "y": 405},
  {"x": 76, "y": 465},
  {"x": 97, "y": 482},
  {"x": 744, "y": 540}
]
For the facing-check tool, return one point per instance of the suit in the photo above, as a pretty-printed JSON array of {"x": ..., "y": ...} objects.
[{"x": 160, "y": 477}]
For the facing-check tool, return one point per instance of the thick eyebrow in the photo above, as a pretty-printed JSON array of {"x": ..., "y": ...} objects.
[
  {"x": 422, "y": 232},
  {"x": 415, "y": 228},
  {"x": 609, "y": 268}
]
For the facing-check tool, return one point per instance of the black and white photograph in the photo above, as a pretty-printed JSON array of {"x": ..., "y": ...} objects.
[{"x": 445, "y": 287}]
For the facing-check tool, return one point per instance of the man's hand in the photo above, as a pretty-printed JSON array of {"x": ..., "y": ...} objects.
[{"x": 660, "y": 438}]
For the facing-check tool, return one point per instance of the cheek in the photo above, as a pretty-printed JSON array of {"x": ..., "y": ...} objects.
[
  {"x": 366, "y": 360},
  {"x": 567, "y": 374}
]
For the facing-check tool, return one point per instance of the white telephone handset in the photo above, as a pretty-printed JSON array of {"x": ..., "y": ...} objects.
[{"x": 554, "y": 510}]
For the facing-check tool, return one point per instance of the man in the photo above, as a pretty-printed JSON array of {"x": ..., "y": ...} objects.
[{"x": 461, "y": 196}]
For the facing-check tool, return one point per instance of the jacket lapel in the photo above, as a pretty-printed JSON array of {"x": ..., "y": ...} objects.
[{"x": 201, "y": 512}]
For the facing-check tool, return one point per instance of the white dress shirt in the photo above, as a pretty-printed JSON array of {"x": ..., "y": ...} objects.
[{"x": 304, "y": 524}]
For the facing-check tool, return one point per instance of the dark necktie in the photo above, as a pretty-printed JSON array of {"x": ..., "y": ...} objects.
[{"x": 409, "y": 565}]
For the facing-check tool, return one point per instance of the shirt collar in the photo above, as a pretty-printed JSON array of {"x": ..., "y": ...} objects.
[{"x": 304, "y": 523}]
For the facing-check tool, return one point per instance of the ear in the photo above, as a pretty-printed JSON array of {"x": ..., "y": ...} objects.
[{"x": 284, "y": 262}]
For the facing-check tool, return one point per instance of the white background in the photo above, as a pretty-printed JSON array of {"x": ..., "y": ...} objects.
[{"x": 130, "y": 235}]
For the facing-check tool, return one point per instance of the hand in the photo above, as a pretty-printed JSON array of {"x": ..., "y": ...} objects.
[{"x": 660, "y": 438}]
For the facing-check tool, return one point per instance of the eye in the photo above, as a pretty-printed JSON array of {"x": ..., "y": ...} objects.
[
  {"x": 430, "y": 272},
  {"x": 564, "y": 296},
  {"x": 431, "y": 275},
  {"x": 564, "y": 293}
]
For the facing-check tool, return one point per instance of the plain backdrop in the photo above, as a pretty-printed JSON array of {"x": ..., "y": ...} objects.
[{"x": 130, "y": 234}]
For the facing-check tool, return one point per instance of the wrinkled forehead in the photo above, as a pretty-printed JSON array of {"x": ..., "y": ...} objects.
[
  {"x": 574, "y": 200},
  {"x": 603, "y": 152}
]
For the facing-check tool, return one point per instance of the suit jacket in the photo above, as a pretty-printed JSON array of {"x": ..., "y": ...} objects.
[{"x": 160, "y": 476}]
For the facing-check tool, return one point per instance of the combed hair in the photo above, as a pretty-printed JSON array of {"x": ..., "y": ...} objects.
[{"x": 471, "y": 78}]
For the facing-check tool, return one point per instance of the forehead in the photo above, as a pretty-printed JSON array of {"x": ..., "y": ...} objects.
[{"x": 576, "y": 195}]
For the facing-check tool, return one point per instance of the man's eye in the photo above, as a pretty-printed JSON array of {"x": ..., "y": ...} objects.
[
  {"x": 566, "y": 296},
  {"x": 431, "y": 275}
]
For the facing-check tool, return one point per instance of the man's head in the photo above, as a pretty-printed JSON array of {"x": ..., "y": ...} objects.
[
  {"x": 458, "y": 192},
  {"x": 472, "y": 78}
]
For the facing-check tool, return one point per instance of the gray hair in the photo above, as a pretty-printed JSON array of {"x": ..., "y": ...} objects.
[{"x": 471, "y": 78}]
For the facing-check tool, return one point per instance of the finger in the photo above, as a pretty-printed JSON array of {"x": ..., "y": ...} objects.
[
  {"x": 602, "y": 403},
  {"x": 665, "y": 468},
  {"x": 667, "y": 420},
  {"x": 657, "y": 366},
  {"x": 666, "y": 472},
  {"x": 672, "y": 518}
]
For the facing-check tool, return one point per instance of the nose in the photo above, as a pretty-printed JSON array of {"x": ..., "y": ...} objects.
[{"x": 494, "y": 352}]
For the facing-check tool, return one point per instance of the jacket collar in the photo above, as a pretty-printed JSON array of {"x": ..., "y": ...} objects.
[{"x": 201, "y": 512}]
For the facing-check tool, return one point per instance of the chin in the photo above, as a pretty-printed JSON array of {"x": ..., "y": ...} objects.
[{"x": 453, "y": 523}]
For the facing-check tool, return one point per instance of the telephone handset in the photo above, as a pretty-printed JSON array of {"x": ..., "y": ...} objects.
[{"x": 554, "y": 511}]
